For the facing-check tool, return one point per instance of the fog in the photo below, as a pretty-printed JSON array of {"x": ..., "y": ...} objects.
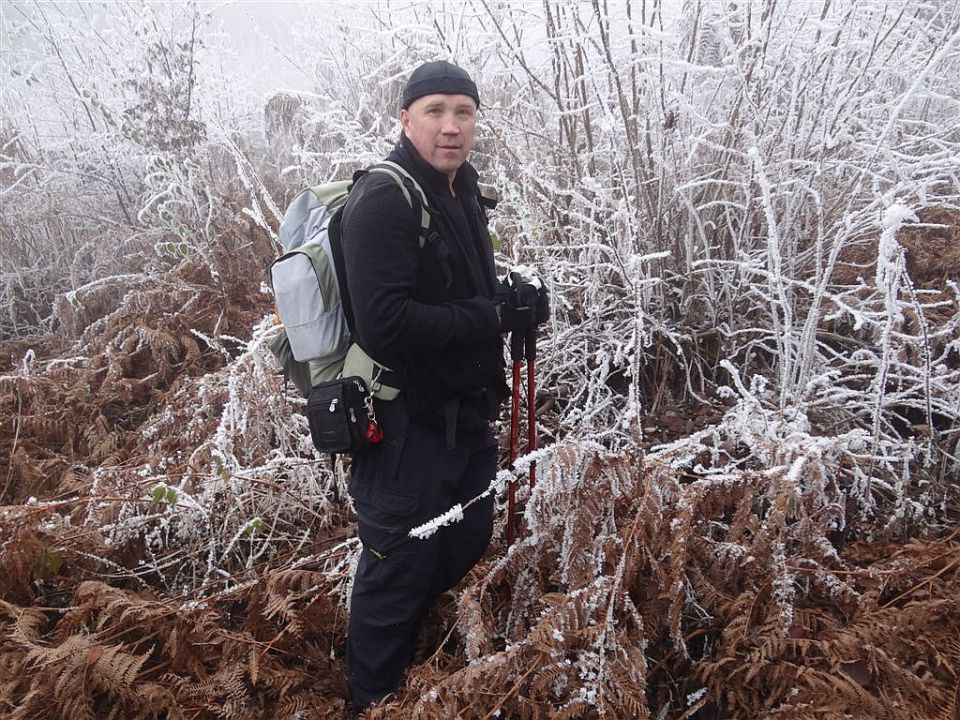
[{"x": 255, "y": 37}]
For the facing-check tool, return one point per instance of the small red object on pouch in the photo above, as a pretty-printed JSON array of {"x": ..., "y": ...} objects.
[{"x": 374, "y": 432}]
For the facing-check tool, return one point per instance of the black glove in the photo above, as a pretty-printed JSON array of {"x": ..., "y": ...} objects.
[
  {"x": 515, "y": 318},
  {"x": 516, "y": 303},
  {"x": 527, "y": 290},
  {"x": 542, "y": 308},
  {"x": 521, "y": 290}
]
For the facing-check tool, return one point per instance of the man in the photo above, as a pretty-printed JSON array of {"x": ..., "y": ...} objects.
[{"x": 433, "y": 315}]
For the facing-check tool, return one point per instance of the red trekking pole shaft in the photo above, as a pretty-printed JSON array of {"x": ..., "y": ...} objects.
[
  {"x": 516, "y": 354},
  {"x": 531, "y": 354}
]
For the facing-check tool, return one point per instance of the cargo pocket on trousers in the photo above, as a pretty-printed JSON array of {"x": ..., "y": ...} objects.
[{"x": 381, "y": 496}]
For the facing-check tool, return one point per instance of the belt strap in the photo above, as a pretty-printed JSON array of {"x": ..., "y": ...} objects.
[{"x": 387, "y": 377}]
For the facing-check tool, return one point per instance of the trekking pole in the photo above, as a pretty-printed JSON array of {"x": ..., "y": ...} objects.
[
  {"x": 516, "y": 354},
  {"x": 530, "y": 342}
]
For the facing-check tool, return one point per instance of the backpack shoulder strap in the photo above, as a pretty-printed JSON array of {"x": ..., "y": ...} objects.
[{"x": 412, "y": 192}]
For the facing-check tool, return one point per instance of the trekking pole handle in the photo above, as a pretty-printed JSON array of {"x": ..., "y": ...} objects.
[
  {"x": 516, "y": 345},
  {"x": 530, "y": 343}
]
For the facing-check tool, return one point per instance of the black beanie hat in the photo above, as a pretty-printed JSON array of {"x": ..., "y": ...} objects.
[{"x": 439, "y": 76}]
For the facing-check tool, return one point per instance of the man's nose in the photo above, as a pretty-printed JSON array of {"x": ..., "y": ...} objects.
[{"x": 449, "y": 126}]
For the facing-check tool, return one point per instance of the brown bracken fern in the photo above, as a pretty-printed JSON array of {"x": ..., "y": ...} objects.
[{"x": 171, "y": 547}]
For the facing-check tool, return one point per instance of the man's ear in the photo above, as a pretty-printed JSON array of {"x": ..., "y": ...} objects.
[{"x": 404, "y": 119}]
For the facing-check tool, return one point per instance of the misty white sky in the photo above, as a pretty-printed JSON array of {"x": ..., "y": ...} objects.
[
  {"x": 254, "y": 48},
  {"x": 255, "y": 32}
]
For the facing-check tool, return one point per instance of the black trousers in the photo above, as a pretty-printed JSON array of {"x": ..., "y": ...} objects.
[{"x": 408, "y": 479}]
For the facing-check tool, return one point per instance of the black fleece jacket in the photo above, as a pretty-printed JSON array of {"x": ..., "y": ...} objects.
[{"x": 426, "y": 313}]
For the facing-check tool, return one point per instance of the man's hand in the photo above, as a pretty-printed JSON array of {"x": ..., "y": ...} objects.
[
  {"x": 514, "y": 318},
  {"x": 542, "y": 307},
  {"x": 516, "y": 303},
  {"x": 522, "y": 291}
]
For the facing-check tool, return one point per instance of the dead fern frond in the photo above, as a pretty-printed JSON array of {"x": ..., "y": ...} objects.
[
  {"x": 71, "y": 652},
  {"x": 115, "y": 670}
]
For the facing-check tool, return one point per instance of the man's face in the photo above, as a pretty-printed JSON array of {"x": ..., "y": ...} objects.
[{"x": 441, "y": 129}]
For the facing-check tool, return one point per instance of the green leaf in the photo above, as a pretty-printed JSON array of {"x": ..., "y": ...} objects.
[
  {"x": 163, "y": 493},
  {"x": 255, "y": 525}
]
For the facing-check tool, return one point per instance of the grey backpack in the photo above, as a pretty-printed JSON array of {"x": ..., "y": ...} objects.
[{"x": 315, "y": 343}]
